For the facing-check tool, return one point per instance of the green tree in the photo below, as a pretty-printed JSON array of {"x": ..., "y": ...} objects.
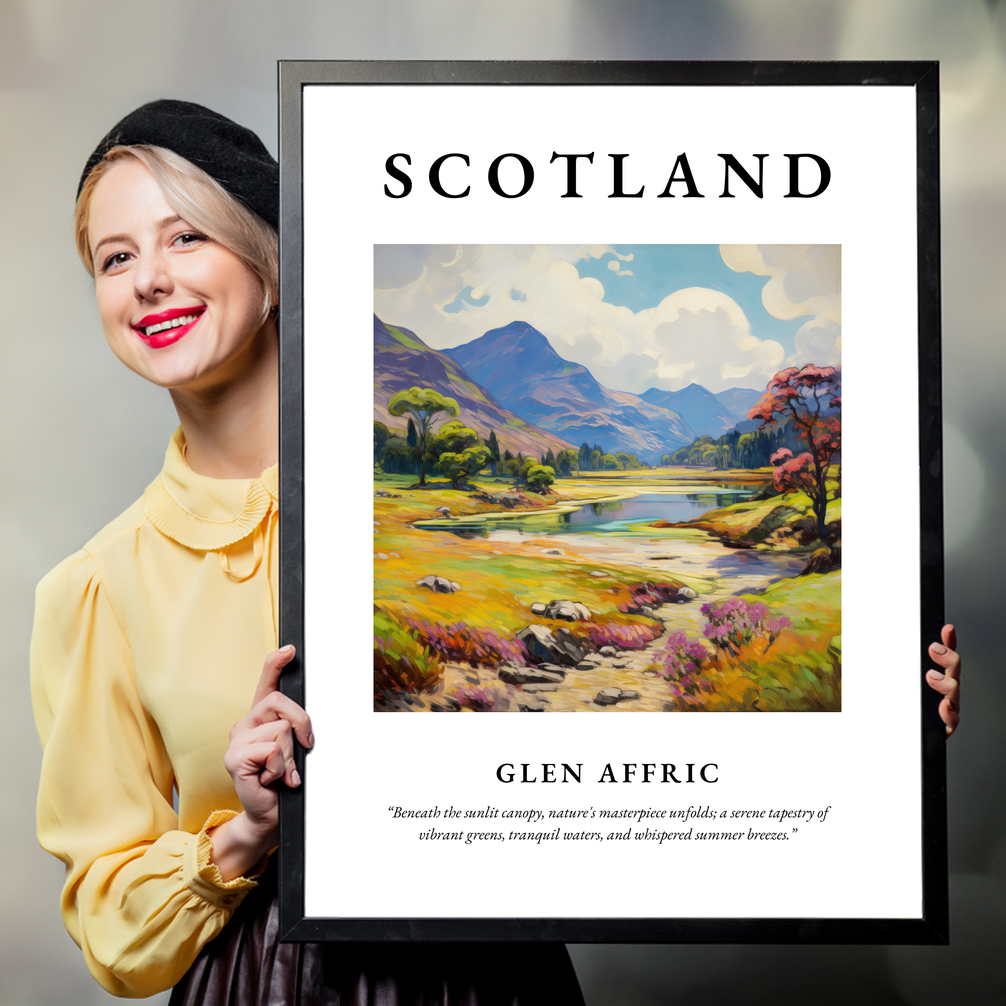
[
  {"x": 458, "y": 466},
  {"x": 454, "y": 437},
  {"x": 423, "y": 405},
  {"x": 381, "y": 434},
  {"x": 539, "y": 477},
  {"x": 494, "y": 451},
  {"x": 549, "y": 459},
  {"x": 567, "y": 461},
  {"x": 610, "y": 463}
]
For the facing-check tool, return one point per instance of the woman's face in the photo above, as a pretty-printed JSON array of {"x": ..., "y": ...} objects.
[{"x": 177, "y": 308}]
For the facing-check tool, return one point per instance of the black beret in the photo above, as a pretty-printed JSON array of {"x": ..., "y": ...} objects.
[{"x": 230, "y": 154}]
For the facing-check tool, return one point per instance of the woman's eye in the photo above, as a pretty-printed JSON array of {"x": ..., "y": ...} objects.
[
  {"x": 190, "y": 238},
  {"x": 114, "y": 261}
]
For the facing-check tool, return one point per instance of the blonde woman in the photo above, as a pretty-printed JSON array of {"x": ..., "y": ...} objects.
[{"x": 154, "y": 660}]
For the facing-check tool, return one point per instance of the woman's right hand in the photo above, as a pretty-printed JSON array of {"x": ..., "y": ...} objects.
[{"x": 259, "y": 754}]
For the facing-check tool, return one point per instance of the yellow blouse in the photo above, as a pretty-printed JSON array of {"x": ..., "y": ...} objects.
[{"x": 147, "y": 647}]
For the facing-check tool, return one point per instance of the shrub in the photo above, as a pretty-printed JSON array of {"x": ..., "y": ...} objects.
[
  {"x": 486, "y": 697},
  {"x": 476, "y": 646},
  {"x": 733, "y": 623},
  {"x": 401, "y": 661},
  {"x": 680, "y": 664},
  {"x": 626, "y": 636}
]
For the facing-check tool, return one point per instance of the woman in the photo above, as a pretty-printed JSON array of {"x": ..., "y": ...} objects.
[{"x": 149, "y": 642}]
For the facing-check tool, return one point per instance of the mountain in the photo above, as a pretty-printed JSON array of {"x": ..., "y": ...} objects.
[
  {"x": 701, "y": 409},
  {"x": 739, "y": 401},
  {"x": 403, "y": 360},
  {"x": 518, "y": 365}
]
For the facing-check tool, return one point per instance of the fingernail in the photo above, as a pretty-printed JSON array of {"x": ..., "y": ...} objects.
[
  {"x": 287, "y": 649},
  {"x": 310, "y": 740},
  {"x": 938, "y": 648},
  {"x": 937, "y": 675},
  {"x": 295, "y": 777}
]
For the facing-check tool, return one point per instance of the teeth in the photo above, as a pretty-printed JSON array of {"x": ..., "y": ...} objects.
[{"x": 174, "y": 323}]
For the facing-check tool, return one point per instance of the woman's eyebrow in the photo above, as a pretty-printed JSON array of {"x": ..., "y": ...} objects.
[{"x": 160, "y": 225}]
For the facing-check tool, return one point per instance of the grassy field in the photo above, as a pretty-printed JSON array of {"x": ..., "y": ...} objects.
[{"x": 417, "y": 630}]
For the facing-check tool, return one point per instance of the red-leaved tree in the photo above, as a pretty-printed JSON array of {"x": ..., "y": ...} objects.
[{"x": 810, "y": 397}]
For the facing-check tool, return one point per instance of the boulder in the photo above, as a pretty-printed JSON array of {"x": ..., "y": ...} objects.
[
  {"x": 445, "y": 510},
  {"x": 686, "y": 594},
  {"x": 611, "y": 696},
  {"x": 568, "y": 611},
  {"x": 598, "y": 573},
  {"x": 538, "y": 608},
  {"x": 545, "y": 646},
  {"x": 553, "y": 551},
  {"x": 438, "y": 584},
  {"x": 530, "y": 676},
  {"x": 608, "y": 651}
]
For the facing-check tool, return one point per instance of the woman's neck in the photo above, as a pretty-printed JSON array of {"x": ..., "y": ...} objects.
[{"x": 231, "y": 426}]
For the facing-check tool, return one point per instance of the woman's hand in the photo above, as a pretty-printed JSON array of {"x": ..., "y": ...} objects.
[
  {"x": 260, "y": 753},
  {"x": 947, "y": 682}
]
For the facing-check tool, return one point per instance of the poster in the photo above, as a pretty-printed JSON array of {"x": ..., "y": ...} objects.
[{"x": 602, "y": 385}]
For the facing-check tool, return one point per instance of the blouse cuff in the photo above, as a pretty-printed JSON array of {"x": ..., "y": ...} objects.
[{"x": 202, "y": 876}]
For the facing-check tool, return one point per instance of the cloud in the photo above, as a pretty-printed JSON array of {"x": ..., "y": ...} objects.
[
  {"x": 804, "y": 280},
  {"x": 449, "y": 296}
]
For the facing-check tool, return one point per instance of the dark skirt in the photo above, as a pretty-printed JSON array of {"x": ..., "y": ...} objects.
[{"x": 246, "y": 965}]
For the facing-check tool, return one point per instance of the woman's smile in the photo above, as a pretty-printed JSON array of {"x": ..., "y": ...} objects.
[{"x": 159, "y": 330}]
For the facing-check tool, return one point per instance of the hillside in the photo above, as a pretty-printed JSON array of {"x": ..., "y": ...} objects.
[
  {"x": 403, "y": 360},
  {"x": 518, "y": 365}
]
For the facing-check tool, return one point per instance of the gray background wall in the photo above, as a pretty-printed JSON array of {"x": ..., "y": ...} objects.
[{"x": 82, "y": 436}]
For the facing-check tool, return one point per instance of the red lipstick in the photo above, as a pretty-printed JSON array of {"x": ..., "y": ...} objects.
[{"x": 166, "y": 325}]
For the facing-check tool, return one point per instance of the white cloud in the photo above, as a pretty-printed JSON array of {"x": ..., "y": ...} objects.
[
  {"x": 692, "y": 335},
  {"x": 804, "y": 280}
]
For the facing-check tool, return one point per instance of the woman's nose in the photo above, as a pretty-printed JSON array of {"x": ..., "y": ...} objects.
[{"x": 152, "y": 277}]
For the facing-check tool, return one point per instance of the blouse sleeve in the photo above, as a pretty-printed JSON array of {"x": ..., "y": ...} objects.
[{"x": 141, "y": 898}]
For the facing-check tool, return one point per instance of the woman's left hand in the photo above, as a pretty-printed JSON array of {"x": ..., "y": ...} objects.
[{"x": 948, "y": 681}]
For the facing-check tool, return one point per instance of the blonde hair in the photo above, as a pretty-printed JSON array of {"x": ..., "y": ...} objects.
[{"x": 199, "y": 200}]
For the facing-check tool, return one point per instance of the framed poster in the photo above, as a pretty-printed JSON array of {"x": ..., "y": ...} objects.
[{"x": 632, "y": 346}]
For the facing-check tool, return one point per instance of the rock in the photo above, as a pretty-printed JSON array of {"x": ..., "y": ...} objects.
[
  {"x": 569, "y": 611},
  {"x": 530, "y": 676},
  {"x": 608, "y": 651},
  {"x": 445, "y": 510},
  {"x": 538, "y": 608},
  {"x": 445, "y": 704},
  {"x": 553, "y": 551},
  {"x": 545, "y": 646},
  {"x": 381, "y": 555},
  {"x": 598, "y": 573},
  {"x": 394, "y": 555},
  {"x": 438, "y": 584},
  {"x": 495, "y": 551},
  {"x": 387, "y": 495},
  {"x": 541, "y": 688},
  {"x": 611, "y": 696},
  {"x": 685, "y": 593}
]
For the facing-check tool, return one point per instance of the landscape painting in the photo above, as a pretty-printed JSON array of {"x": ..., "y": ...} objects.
[{"x": 607, "y": 478}]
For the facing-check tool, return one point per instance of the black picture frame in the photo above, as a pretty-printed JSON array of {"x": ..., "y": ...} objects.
[{"x": 931, "y": 927}]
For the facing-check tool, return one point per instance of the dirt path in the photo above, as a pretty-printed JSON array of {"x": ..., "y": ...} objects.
[{"x": 715, "y": 572}]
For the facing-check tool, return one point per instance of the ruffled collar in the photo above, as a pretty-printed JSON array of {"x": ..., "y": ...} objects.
[{"x": 203, "y": 513}]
